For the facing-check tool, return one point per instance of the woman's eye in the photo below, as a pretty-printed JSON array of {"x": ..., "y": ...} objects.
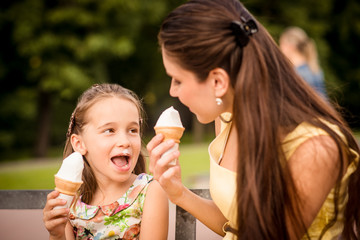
[{"x": 175, "y": 81}]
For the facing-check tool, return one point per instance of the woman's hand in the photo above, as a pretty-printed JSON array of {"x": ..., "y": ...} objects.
[
  {"x": 55, "y": 220},
  {"x": 169, "y": 177},
  {"x": 167, "y": 174}
]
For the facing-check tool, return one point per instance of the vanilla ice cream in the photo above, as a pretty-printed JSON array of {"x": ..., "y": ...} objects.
[
  {"x": 69, "y": 177},
  {"x": 72, "y": 167},
  {"x": 169, "y": 124},
  {"x": 169, "y": 118}
]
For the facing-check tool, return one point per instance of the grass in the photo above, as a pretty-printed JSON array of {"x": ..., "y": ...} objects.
[{"x": 39, "y": 174}]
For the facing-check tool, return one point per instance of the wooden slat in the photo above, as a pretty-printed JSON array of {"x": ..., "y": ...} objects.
[
  {"x": 23, "y": 199},
  {"x": 36, "y": 199}
]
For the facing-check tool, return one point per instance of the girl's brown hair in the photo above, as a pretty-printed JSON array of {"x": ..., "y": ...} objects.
[
  {"x": 78, "y": 121},
  {"x": 270, "y": 99}
]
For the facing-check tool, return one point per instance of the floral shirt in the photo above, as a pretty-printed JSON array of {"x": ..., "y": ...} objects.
[{"x": 117, "y": 221}]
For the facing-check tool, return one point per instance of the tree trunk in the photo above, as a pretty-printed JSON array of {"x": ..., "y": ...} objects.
[{"x": 43, "y": 124}]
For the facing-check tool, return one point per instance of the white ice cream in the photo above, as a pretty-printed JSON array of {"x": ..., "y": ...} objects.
[
  {"x": 169, "y": 118},
  {"x": 72, "y": 168}
]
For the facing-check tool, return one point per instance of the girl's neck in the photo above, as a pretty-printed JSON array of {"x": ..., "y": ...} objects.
[
  {"x": 109, "y": 192},
  {"x": 297, "y": 59}
]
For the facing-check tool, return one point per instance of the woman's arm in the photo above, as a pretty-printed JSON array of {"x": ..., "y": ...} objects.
[
  {"x": 169, "y": 177},
  {"x": 204, "y": 210},
  {"x": 315, "y": 168},
  {"x": 155, "y": 219}
]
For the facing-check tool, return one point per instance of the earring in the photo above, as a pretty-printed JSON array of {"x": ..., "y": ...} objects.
[{"x": 218, "y": 101}]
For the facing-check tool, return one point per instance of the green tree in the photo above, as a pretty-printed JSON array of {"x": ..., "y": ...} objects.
[
  {"x": 335, "y": 27},
  {"x": 53, "y": 50},
  {"x": 65, "y": 46}
]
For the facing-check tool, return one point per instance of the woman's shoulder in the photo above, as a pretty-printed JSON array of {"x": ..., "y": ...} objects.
[{"x": 307, "y": 132}]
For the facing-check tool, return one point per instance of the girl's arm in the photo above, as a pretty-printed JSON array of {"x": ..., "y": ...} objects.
[
  {"x": 155, "y": 219},
  {"x": 169, "y": 177},
  {"x": 69, "y": 233}
]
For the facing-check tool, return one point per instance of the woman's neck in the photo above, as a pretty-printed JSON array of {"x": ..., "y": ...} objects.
[{"x": 229, "y": 159}]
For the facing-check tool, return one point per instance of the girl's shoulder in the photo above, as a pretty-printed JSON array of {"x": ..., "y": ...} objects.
[{"x": 142, "y": 179}]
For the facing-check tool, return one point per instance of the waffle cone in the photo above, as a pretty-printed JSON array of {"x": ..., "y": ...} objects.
[
  {"x": 174, "y": 133},
  {"x": 66, "y": 187}
]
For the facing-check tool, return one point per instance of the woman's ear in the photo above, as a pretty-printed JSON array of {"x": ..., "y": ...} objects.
[
  {"x": 220, "y": 80},
  {"x": 78, "y": 144}
]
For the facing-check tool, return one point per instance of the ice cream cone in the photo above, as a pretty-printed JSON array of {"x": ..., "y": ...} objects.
[
  {"x": 66, "y": 187},
  {"x": 169, "y": 132}
]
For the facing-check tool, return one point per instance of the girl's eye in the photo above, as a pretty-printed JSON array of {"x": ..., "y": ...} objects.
[
  {"x": 134, "y": 130},
  {"x": 110, "y": 130}
]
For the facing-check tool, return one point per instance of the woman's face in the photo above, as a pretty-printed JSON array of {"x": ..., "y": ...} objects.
[
  {"x": 111, "y": 137},
  {"x": 198, "y": 96}
]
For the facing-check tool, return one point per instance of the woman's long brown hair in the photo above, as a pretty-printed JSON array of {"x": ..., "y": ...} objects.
[
  {"x": 270, "y": 99},
  {"x": 78, "y": 121}
]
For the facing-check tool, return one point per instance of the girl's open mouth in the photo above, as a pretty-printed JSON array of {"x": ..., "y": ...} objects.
[{"x": 121, "y": 161}]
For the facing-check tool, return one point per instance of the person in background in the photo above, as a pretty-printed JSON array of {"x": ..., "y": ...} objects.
[
  {"x": 284, "y": 164},
  {"x": 301, "y": 51},
  {"x": 117, "y": 199}
]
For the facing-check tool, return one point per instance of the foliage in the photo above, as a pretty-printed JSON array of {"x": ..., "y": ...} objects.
[
  {"x": 65, "y": 46},
  {"x": 335, "y": 27},
  {"x": 53, "y": 50}
]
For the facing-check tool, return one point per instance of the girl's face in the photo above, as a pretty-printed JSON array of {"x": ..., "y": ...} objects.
[
  {"x": 198, "y": 96},
  {"x": 111, "y": 137}
]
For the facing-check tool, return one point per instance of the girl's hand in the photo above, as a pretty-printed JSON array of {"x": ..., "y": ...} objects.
[
  {"x": 168, "y": 175},
  {"x": 55, "y": 220}
]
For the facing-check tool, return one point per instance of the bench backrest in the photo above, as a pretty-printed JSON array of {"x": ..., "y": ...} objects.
[{"x": 185, "y": 225}]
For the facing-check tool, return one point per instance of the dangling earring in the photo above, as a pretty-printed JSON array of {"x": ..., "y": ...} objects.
[{"x": 218, "y": 101}]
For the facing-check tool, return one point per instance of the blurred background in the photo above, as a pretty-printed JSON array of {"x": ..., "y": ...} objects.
[{"x": 51, "y": 51}]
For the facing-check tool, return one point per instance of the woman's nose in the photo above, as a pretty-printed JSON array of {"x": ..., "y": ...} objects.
[{"x": 173, "y": 90}]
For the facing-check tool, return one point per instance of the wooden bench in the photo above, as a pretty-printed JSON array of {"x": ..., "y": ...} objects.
[{"x": 185, "y": 223}]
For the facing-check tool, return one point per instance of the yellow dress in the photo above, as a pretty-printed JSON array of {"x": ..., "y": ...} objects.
[{"x": 223, "y": 181}]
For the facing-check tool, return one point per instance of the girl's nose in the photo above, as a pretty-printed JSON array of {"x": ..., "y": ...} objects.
[{"x": 123, "y": 141}]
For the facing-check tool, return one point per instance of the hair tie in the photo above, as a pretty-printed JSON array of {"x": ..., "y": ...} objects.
[{"x": 242, "y": 31}]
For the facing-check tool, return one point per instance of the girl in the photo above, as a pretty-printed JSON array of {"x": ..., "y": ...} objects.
[
  {"x": 284, "y": 165},
  {"x": 301, "y": 51},
  {"x": 117, "y": 200}
]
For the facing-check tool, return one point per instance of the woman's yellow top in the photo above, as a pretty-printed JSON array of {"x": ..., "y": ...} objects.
[{"x": 223, "y": 181}]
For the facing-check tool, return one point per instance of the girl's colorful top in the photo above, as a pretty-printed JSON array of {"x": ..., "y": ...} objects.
[{"x": 117, "y": 221}]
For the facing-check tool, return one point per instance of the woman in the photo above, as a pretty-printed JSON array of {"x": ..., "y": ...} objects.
[{"x": 283, "y": 164}]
